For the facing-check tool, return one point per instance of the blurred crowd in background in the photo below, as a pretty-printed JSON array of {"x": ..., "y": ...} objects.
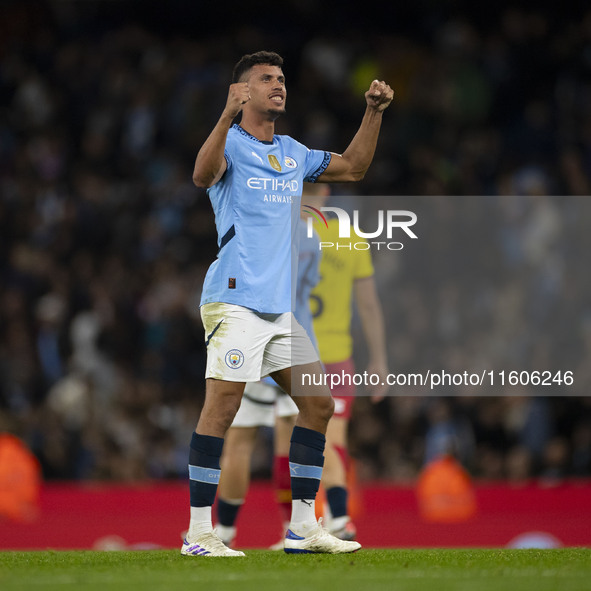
[{"x": 104, "y": 240}]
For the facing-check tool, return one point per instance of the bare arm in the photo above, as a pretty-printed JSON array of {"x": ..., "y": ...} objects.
[
  {"x": 372, "y": 321},
  {"x": 355, "y": 160},
  {"x": 210, "y": 164}
]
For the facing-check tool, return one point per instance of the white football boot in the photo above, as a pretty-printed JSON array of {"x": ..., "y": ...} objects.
[
  {"x": 207, "y": 544},
  {"x": 317, "y": 540}
]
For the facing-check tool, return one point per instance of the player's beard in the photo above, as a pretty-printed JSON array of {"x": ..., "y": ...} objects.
[{"x": 276, "y": 112}]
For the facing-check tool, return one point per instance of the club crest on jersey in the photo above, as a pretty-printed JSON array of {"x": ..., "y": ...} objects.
[
  {"x": 274, "y": 162},
  {"x": 290, "y": 162},
  {"x": 234, "y": 359}
]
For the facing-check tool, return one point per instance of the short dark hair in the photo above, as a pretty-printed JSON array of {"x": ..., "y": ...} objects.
[{"x": 265, "y": 58}]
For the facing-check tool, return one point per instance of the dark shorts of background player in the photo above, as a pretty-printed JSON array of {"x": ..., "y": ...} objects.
[{"x": 343, "y": 394}]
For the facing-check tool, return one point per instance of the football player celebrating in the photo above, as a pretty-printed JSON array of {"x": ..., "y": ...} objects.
[{"x": 254, "y": 181}]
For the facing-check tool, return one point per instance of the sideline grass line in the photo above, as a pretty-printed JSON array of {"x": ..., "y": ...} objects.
[{"x": 375, "y": 570}]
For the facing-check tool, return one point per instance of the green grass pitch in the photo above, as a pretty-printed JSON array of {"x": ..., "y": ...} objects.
[{"x": 372, "y": 570}]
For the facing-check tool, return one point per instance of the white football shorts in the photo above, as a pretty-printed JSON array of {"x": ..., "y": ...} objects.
[
  {"x": 245, "y": 346},
  {"x": 261, "y": 403}
]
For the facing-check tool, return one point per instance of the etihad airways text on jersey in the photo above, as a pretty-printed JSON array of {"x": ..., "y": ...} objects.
[{"x": 273, "y": 184}]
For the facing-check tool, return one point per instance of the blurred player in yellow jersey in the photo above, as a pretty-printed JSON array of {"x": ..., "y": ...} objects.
[{"x": 346, "y": 277}]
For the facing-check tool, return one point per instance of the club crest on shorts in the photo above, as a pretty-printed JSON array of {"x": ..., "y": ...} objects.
[{"x": 234, "y": 359}]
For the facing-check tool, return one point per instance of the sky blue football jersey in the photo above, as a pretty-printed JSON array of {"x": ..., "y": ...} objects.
[{"x": 257, "y": 211}]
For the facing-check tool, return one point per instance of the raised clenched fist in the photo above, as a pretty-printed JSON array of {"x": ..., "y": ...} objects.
[
  {"x": 379, "y": 95},
  {"x": 238, "y": 95}
]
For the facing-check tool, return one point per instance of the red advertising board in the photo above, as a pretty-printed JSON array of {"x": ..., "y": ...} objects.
[{"x": 155, "y": 514}]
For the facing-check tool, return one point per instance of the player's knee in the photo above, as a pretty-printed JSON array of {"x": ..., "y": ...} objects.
[
  {"x": 328, "y": 408},
  {"x": 324, "y": 408},
  {"x": 227, "y": 413},
  {"x": 219, "y": 416},
  {"x": 316, "y": 412}
]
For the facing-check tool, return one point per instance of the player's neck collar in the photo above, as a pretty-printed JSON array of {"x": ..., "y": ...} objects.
[{"x": 248, "y": 135}]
